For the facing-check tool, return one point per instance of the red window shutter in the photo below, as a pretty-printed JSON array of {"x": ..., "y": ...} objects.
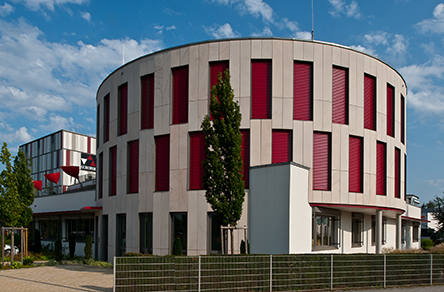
[
  {"x": 106, "y": 118},
  {"x": 88, "y": 147},
  {"x": 381, "y": 171},
  {"x": 180, "y": 95},
  {"x": 405, "y": 177},
  {"x": 68, "y": 158},
  {"x": 369, "y": 102},
  {"x": 163, "y": 163},
  {"x": 355, "y": 165},
  {"x": 215, "y": 69},
  {"x": 123, "y": 108},
  {"x": 402, "y": 119},
  {"x": 245, "y": 153},
  {"x": 98, "y": 126},
  {"x": 197, "y": 156},
  {"x": 303, "y": 91},
  {"x": 390, "y": 110},
  {"x": 261, "y": 89},
  {"x": 397, "y": 173},
  {"x": 133, "y": 166},
  {"x": 100, "y": 178},
  {"x": 281, "y": 146},
  {"x": 340, "y": 96},
  {"x": 113, "y": 170},
  {"x": 147, "y": 83},
  {"x": 321, "y": 161}
]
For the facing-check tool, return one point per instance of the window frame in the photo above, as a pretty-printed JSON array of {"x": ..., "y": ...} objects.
[
  {"x": 333, "y": 217},
  {"x": 358, "y": 229}
]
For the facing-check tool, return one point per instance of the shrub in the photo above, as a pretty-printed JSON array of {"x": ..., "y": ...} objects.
[
  {"x": 27, "y": 261},
  {"x": 437, "y": 248},
  {"x": 88, "y": 247},
  {"x": 37, "y": 241},
  {"x": 177, "y": 246},
  {"x": 134, "y": 254},
  {"x": 426, "y": 243},
  {"x": 58, "y": 250},
  {"x": 72, "y": 244}
]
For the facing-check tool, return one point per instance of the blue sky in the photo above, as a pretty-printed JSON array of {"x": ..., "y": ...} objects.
[{"x": 55, "y": 53}]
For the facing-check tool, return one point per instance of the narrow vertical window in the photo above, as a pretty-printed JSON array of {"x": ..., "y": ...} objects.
[
  {"x": 245, "y": 153},
  {"x": 113, "y": 171},
  {"x": 215, "y": 69},
  {"x": 100, "y": 175},
  {"x": 163, "y": 163},
  {"x": 133, "y": 167},
  {"x": 397, "y": 173},
  {"x": 340, "y": 95},
  {"x": 369, "y": 102},
  {"x": 381, "y": 168},
  {"x": 281, "y": 146},
  {"x": 355, "y": 162},
  {"x": 180, "y": 95},
  {"x": 390, "y": 110},
  {"x": 261, "y": 89},
  {"x": 106, "y": 119},
  {"x": 197, "y": 156},
  {"x": 123, "y": 108},
  {"x": 303, "y": 91},
  {"x": 402, "y": 119},
  {"x": 405, "y": 177},
  {"x": 321, "y": 161},
  {"x": 147, "y": 101}
]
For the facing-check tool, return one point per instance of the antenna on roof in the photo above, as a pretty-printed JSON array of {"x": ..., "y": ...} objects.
[{"x": 312, "y": 22}]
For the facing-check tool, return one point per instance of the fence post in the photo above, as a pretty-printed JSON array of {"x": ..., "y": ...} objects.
[
  {"x": 198, "y": 287},
  {"x": 271, "y": 273},
  {"x": 331, "y": 272},
  {"x": 431, "y": 269},
  {"x": 114, "y": 274},
  {"x": 385, "y": 271}
]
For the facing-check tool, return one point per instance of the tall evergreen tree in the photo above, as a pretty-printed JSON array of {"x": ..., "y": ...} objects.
[
  {"x": 223, "y": 166},
  {"x": 25, "y": 186},
  {"x": 9, "y": 196}
]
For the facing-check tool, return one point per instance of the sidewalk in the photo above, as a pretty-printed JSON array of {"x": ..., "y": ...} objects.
[{"x": 57, "y": 279}]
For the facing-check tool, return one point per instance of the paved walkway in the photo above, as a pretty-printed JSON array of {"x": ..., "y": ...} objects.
[{"x": 59, "y": 278}]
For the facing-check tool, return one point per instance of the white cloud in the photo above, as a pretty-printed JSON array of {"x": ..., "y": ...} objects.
[
  {"x": 170, "y": 27},
  {"x": 254, "y": 7},
  {"x": 222, "y": 31},
  {"x": 435, "y": 182},
  {"x": 86, "y": 16},
  {"x": 365, "y": 50},
  {"x": 341, "y": 8},
  {"x": 39, "y": 78},
  {"x": 6, "y": 9},
  {"x": 266, "y": 32},
  {"x": 20, "y": 135},
  {"x": 377, "y": 38},
  {"x": 49, "y": 4},
  {"x": 303, "y": 35},
  {"x": 433, "y": 25},
  {"x": 394, "y": 46}
]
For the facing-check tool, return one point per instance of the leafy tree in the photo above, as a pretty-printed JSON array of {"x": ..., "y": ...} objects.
[
  {"x": 437, "y": 207},
  {"x": 223, "y": 166},
  {"x": 88, "y": 247},
  {"x": 16, "y": 189}
]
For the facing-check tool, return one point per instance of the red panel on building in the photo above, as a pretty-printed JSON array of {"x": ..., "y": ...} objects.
[
  {"x": 163, "y": 163},
  {"x": 100, "y": 170},
  {"x": 281, "y": 146},
  {"x": 261, "y": 89},
  {"x": 147, "y": 83},
  {"x": 390, "y": 110},
  {"x": 303, "y": 91},
  {"x": 355, "y": 168},
  {"x": 340, "y": 96},
  {"x": 369, "y": 102},
  {"x": 197, "y": 156},
  {"x": 133, "y": 166},
  {"x": 245, "y": 153},
  {"x": 106, "y": 118},
  {"x": 215, "y": 69},
  {"x": 113, "y": 171},
  {"x": 397, "y": 173},
  {"x": 381, "y": 168},
  {"x": 321, "y": 161},
  {"x": 402, "y": 119},
  {"x": 180, "y": 95},
  {"x": 123, "y": 108}
]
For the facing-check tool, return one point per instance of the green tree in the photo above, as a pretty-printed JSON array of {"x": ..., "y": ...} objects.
[
  {"x": 437, "y": 207},
  {"x": 223, "y": 166},
  {"x": 22, "y": 169},
  {"x": 9, "y": 195}
]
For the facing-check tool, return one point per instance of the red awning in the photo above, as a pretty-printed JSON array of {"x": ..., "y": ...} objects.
[
  {"x": 37, "y": 184},
  {"x": 71, "y": 170},
  {"x": 54, "y": 177}
]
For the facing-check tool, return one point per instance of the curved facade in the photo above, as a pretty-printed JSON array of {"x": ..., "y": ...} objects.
[{"x": 335, "y": 117}]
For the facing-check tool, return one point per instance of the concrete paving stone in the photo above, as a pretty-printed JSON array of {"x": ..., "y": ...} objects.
[{"x": 57, "y": 278}]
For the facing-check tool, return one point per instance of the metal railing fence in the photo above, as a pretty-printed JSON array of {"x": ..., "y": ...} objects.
[{"x": 276, "y": 272}]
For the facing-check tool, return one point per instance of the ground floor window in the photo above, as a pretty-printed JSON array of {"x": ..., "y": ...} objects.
[
  {"x": 80, "y": 227},
  {"x": 415, "y": 232},
  {"x": 357, "y": 230},
  {"x": 179, "y": 230},
  {"x": 384, "y": 230},
  {"x": 120, "y": 234},
  {"x": 50, "y": 229},
  {"x": 146, "y": 233},
  {"x": 325, "y": 228},
  {"x": 214, "y": 224}
]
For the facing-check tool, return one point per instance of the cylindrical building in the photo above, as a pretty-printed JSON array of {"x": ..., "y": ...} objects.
[{"x": 324, "y": 149}]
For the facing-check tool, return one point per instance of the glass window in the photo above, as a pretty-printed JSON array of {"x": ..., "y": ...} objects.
[
  {"x": 326, "y": 229},
  {"x": 215, "y": 222},
  {"x": 384, "y": 230},
  {"x": 357, "y": 230},
  {"x": 415, "y": 231},
  {"x": 179, "y": 229},
  {"x": 121, "y": 235},
  {"x": 146, "y": 233}
]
